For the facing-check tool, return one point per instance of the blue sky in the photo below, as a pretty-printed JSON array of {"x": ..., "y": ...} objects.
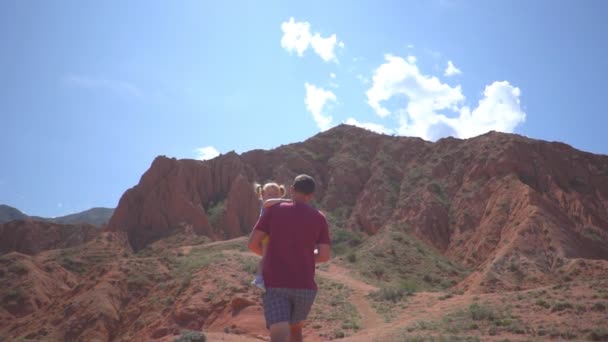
[{"x": 91, "y": 92}]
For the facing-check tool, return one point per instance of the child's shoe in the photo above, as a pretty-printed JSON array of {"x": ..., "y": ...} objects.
[{"x": 259, "y": 282}]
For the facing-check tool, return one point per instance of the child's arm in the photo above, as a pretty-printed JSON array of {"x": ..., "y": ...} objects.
[{"x": 273, "y": 201}]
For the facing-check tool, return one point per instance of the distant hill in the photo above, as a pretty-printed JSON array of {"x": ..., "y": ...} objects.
[
  {"x": 94, "y": 216},
  {"x": 32, "y": 237},
  {"x": 10, "y": 214}
]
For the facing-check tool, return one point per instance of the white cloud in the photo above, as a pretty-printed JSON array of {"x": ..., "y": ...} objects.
[
  {"x": 104, "y": 84},
  {"x": 324, "y": 47},
  {"x": 428, "y": 101},
  {"x": 206, "y": 153},
  {"x": 297, "y": 38},
  {"x": 451, "y": 70},
  {"x": 426, "y": 94},
  {"x": 315, "y": 100},
  {"x": 411, "y": 59},
  {"x": 378, "y": 128},
  {"x": 499, "y": 110},
  {"x": 332, "y": 75}
]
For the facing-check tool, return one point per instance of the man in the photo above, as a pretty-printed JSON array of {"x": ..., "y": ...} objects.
[{"x": 295, "y": 230}]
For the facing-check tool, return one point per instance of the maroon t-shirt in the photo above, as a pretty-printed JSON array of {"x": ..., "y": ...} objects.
[{"x": 294, "y": 229}]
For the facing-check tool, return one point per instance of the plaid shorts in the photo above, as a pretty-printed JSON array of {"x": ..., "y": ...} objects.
[{"x": 287, "y": 305}]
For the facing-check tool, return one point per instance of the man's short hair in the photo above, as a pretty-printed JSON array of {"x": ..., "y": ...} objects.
[{"x": 304, "y": 184}]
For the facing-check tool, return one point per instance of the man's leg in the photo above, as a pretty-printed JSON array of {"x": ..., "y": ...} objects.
[
  {"x": 296, "y": 332},
  {"x": 279, "y": 332},
  {"x": 303, "y": 300},
  {"x": 277, "y": 311}
]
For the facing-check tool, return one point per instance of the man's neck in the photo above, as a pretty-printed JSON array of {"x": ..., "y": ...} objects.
[{"x": 300, "y": 199}]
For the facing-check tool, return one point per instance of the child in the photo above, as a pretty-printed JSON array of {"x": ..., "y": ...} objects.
[{"x": 269, "y": 194}]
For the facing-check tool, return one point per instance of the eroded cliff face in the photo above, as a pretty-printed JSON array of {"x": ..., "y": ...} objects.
[{"x": 214, "y": 198}]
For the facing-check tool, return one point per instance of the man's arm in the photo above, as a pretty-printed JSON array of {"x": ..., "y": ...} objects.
[
  {"x": 323, "y": 253},
  {"x": 255, "y": 242}
]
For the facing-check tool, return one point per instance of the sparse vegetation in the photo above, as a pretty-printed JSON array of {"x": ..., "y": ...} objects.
[
  {"x": 598, "y": 334},
  {"x": 351, "y": 257},
  {"x": 598, "y": 307},
  {"x": 69, "y": 260},
  {"x": 397, "y": 258},
  {"x": 405, "y": 337},
  {"x": 333, "y": 312},
  {"x": 561, "y": 306},
  {"x": 191, "y": 336},
  {"x": 250, "y": 265},
  {"x": 15, "y": 294},
  {"x": 594, "y": 234},
  {"x": 215, "y": 212},
  {"x": 543, "y": 303},
  {"x": 446, "y": 296},
  {"x": 344, "y": 240},
  {"x": 18, "y": 269},
  {"x": 481, "y": 318},
  {"x": 437, "y": 189},
  {"x": 390, "y": 294},
  {"x": 480, "y": 312}
]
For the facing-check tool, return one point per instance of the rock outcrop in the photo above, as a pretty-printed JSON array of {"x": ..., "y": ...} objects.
[{"x": 215, "y": 198}]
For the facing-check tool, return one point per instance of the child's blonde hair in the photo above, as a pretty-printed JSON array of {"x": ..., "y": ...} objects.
[{"x": 261, "y": 189}]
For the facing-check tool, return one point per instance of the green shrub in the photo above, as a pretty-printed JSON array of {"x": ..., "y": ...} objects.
[
  {"x": 378, "y": 272},
  {"x": 481, "y": 312},
  {"x": 339, "y": 334},
  {"x": 561, "y": 306},
  {"x": 446, "y": 296},
  {"x": 409, "y": 286},
  {"x": 250, "y": 266},
  {"x": 390, "y": 294},
  {"x": 593, "y": 234},
  {"x": 598, "y": 334},
  {"x": 215, "y": 212},
  {"x": 343, "y": 240},
  {"x": 543, "y": 303},
  {"x": 191, "y": 336},
  {"x": 351, "y": 257},
  {"x": 14, "y": 294},
  {"x": 18, "y": 269}
]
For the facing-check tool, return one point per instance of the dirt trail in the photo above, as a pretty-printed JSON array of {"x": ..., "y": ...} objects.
[
  {"x": 187, "y": 249},
  {"x": 423, "y": 306},
  {"x": 369, "y": 316}
]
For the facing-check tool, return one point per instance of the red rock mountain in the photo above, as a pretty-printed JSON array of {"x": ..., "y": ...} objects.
[
  {"x": 487, "y": 202},
  {"x": 518, "y": 213}
]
